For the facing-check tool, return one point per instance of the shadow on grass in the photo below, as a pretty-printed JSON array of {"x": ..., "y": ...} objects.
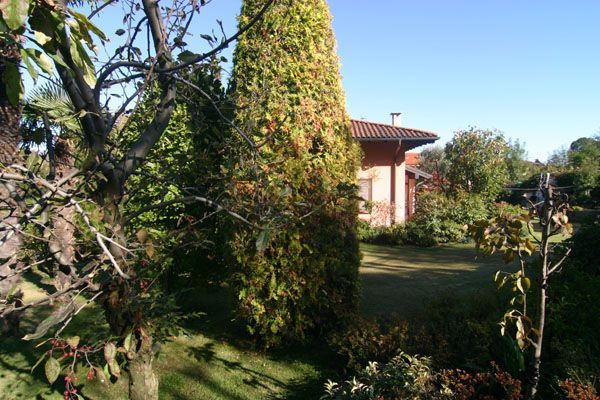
[
  {"x": 16, "y": 379},
  {"x": 219, "y": 326}
]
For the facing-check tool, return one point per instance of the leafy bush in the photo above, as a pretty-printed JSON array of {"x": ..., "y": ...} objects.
[
  {"x": 577, "y": 391},
  {"x": 403, "y": 377},
  {"x": 440, "y": 218},
  {"x": 573, "y": 350},
  {"x": 297, "y": 268},
  {"x": 412, "y": 377},
  {"x": 383, "y": 235},
  {"x": 495, "y": 384},
  {"x": 369, "y": 340},
  {"x": 456, "y": 331}
]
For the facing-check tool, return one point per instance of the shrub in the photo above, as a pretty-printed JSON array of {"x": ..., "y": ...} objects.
[
  {"x": 440, "y": 218},
  {"x": 456, "y": 331},
  {"x": 462, "y": 332},
  {"x": 369, "y": 340},
  {"x": 496, "y": 384},
  {"x": 412, "y": 377},
  {"x": 298, "y": 274},
  {"x": 383, "y": 235},
  {"x": 573, "y": 350},
  {"x": 403, "y": 377},
  {"x": 578, "y": 391}
]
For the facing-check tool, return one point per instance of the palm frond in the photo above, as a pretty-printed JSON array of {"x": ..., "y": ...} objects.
[{"x": 53, "y": 101}]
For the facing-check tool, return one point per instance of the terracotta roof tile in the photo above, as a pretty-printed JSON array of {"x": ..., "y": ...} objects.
[{"x": 365, "y": 130}]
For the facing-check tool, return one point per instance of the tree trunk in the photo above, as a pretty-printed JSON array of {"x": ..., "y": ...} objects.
[
  {"x": 62, "y": 241},
  {"x": 545, "y": 221},
  {"x": 143, "y": 383},
  {"x": 10, "y": 119}
]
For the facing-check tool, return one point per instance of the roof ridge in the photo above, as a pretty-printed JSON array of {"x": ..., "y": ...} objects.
[{"x": 392, "y": 126}]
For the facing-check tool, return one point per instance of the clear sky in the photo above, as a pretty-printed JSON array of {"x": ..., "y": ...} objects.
[{"x": 528, "y": 68}]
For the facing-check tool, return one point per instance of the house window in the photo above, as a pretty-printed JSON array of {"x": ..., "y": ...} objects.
[{"x": 364, "y": 191}]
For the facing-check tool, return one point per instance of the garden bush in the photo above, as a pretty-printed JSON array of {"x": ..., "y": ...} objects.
[
  {"x": 462, "y": 332},
  {"x": 383, "y": 235},
  {"x": 573, "y": 350},
  {"x": 403, "y": 377},
  {"x": 413, "y": 377},
  {"x": 455, "y": 331},
  {"x": 367, "y": 340},
  {"x": 297, "y": 267},
  {"x": 440, "y": 218}
]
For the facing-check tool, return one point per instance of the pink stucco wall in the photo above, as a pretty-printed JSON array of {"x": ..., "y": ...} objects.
[{"x": 384, "y": 165}]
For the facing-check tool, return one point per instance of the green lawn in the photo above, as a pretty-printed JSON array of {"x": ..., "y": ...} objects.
[
  {"x": 399, "y": 279},
  {"x": 213, "y": 361}
]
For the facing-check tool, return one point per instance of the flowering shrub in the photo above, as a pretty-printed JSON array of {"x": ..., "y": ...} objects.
[
  {"x": 411, "y": 377},
  {"x": 404, "y": 377}
]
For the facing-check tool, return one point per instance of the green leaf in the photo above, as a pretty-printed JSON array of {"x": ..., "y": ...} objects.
[
  {"x": 55, "y": 318},
  {"x": 83, "y": 61},
  {"x": 52, "y": 369},
  {"x": 85, "y": 22},
  {"x": 120, "y": 32},
  {"x": 113, "y": 366},
  {"x": 110, "y": 351},
  {"x": 30, "y": 68},
  {"x": 58, "y": 60},
  {"x": 41, "y": 59},
  {"x": 127, "y": 342},
  {"x": 12, "y": 80},
  {"x": 262, "y": 241},
  {"x": 39, "y": 361},
  {"x": 41, "y": 37},
  {"x": 14, "y": 12},
  {"x": 73, "y": 342},
  {"x": 187, "y": 56}
]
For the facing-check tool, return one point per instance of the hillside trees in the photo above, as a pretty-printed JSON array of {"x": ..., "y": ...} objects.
[
  {"x": 584, "y": 158},
  {"x": 301, "y": 274},
  {"x": 108, "y": 265},
  {"x": 579, "y": 166}
]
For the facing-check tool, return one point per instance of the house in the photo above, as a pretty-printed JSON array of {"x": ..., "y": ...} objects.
[{"x": 387, "y": 181}]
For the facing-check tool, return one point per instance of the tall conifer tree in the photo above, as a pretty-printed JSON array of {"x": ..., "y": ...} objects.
[{"x": 298, "y": 276}]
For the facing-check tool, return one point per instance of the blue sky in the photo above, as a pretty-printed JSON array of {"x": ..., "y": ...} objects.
[{"x": 528, "y": 68}]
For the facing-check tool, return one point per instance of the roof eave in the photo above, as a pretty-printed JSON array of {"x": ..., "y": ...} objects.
[{"x": 393, "y": 139}]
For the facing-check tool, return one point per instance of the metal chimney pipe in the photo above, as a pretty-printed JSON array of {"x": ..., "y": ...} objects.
[{"x": 396, "y": 121}]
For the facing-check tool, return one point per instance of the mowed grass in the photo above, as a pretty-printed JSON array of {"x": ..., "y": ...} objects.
[
  {"x": 401, "y": 279},
  {"x": 215, "y": 360},
  {"x": 212, "y": 360}
]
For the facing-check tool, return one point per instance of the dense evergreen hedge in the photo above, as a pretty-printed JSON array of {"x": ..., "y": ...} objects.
[{"x": 299, "y": 275}]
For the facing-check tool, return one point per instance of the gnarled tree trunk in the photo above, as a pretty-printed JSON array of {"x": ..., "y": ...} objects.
[{"x": 10, "y": 242}]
